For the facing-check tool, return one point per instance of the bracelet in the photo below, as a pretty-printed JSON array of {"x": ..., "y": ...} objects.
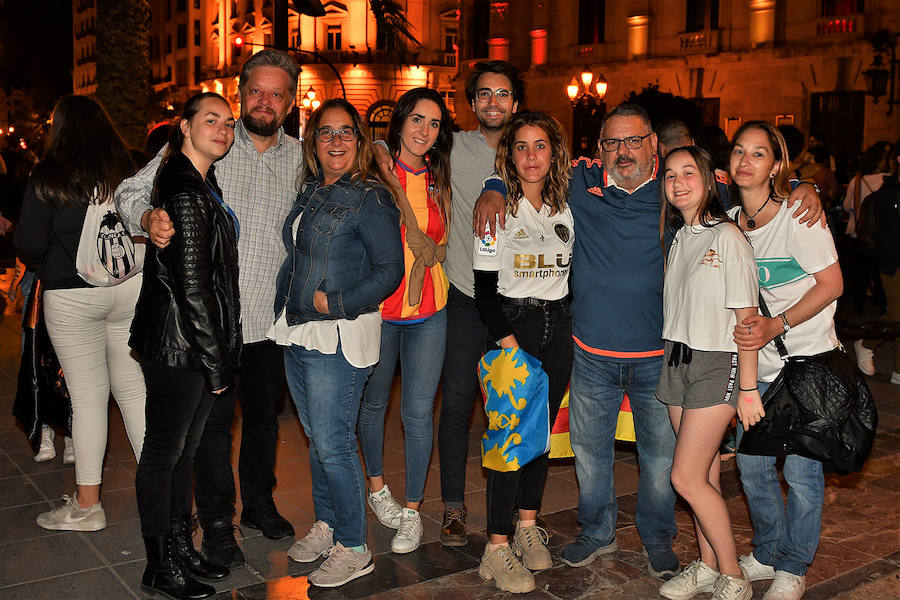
[{"x": 753, "y": 389}]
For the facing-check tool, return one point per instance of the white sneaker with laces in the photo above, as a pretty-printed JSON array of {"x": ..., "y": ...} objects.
[
  {"x": 409, "y": 534},
  {"x": 895, "y": 377},
  {"x": 732, "y": 588},
  {"x": 317, "y": 542},
  {"x": 786, "y": 586},
  {"x": 47, "y": 451},
  {"x": 69, "y": 451},
  {"x": 755, "y": 570},
  {"x": 696, "y": 578},
  {"x": 385, "y": 507},
  {"x": 71, "y": 517},
  {"x": 864, "y": 358},
  {"x": 342, "y": 565}
]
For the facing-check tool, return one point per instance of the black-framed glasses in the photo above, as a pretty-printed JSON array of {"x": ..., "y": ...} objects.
[
  {"x": 326, "y": 134},
  {"x": 483, "y": 96},
  {"x": 632, "y": 142}
]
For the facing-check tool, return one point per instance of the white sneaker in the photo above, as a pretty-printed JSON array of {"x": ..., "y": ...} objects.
[
  {"x": 47, "y": 451},
  {"x": 317, "y": 542},
  {"x": 864, "y": 358},
  {"x": 732, "y": 588},
  {"x": 71, "y": 517},
  {"x": 755, "y": 570},
  {"x": 385, "y": 507},
  {"x": 786, "y": 586},
  {"x": 697, "y": 578},
  {"x": 69, "y": 451},
  {"x": 409, "y": 534},
  {"x": 895, "y": 377}
]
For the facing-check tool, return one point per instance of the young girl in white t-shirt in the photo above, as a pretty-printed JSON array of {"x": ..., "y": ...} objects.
[{"x": 710, "y": 284}]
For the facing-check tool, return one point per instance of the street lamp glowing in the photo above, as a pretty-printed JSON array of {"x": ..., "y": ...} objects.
[
  {"x": 311, "y": 93},
  {"x": 316, "y": 104},
  {"x": 601, "y": 86},
  {"x": 11, "y": 129},
  {"x": 587, "y": 77},
  {"x": 572, "y": 89},
  {"x": 238, "y": 41}
]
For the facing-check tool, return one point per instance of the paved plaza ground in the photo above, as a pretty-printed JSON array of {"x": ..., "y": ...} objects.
[{"x": 858, "y": 557}]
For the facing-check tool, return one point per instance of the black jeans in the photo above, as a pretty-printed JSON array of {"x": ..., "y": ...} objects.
[
  {"x": 545, "y": 332},
  {"x": 466, "y": 338},
  {"x": 178, "y": 405},
  {"x": 260, "y": 389}
]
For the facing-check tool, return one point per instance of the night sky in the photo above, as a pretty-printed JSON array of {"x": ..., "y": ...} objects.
[{"x": 36, "y": 48}]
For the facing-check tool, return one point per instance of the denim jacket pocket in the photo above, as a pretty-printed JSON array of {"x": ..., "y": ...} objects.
[{"x": 329, "y": 217}]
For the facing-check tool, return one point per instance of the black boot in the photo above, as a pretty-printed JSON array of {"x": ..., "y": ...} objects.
[
  {"x": 193, "y": 561},
  {"x": 219, "y": 544},
  {"x": 166, "y": 575},
  {"x": 262, "y": 515}
]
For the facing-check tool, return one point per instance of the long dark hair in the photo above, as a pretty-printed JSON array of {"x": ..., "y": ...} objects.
[
  {"x": 438, "y": 156},
  {"x": 176, "y": 135},
  {"x": 366, "y": 168},
  {"x": 556, "y": 186},
  {"x": 86, "y": 159}
]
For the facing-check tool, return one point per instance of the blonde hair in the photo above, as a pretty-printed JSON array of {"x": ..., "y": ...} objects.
[{"x": 780, "y": 185}]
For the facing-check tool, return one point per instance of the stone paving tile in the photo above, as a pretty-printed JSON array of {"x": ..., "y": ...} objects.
[
  {"x": 39, "y": 558},
  {"x": 85, "y": 585}
]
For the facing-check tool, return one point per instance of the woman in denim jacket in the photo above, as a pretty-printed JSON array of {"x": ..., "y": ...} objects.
[{"x": 344, "y": 257}]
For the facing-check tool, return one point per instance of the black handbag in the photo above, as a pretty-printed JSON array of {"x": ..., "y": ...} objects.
[
  {"x": 41, "y": 393},
  {"x": 820, "y": 407}
]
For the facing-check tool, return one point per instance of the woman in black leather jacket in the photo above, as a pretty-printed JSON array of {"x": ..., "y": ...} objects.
[{"x": 187, "y": 332}]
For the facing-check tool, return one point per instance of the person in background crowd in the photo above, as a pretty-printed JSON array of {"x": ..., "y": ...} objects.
[
  {"x": 187, "y": 331},
  {"x": 529, "y": 313},
  {"x": 710, "y": 284},
  {"x": 671, "y": 134},
  {"x": 345, "y": 257},
  {"x": 268, "y": 86},
  {"x": 802, "y": 297},
  {"x": 88, "y": 325},
  {"x": 414, "y": 328}
]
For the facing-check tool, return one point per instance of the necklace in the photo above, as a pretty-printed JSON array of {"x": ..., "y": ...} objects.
[{"x": 750, "y": 222}]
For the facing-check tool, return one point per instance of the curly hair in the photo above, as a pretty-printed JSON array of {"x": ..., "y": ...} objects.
[
  {"x": 780, "y": 185},
  {"x": 556, "y": 185}
]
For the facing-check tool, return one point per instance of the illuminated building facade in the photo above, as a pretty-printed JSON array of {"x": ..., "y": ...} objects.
[
  {"x": 84, "y": 67},
  {"x": 802, "y": 62}
]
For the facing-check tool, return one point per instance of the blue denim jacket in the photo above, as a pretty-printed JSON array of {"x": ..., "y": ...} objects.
[{"x": 347, "y": 245}]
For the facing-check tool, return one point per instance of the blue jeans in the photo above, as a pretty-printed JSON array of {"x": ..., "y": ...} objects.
[
  {"x": 420, "y": 348},
  {"x": 327, "y": 391},
  {"x": 784, "y": 539},
  {"x": 596, "y": 392}
]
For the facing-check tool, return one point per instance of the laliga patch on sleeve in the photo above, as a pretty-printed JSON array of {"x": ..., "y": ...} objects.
[{"x": 487, "y": 245}]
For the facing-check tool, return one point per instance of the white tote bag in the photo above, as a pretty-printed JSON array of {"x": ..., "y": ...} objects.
[{"x": 107, "y": 255}]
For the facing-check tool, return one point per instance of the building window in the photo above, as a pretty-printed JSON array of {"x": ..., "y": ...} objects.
[
  {"x": 378, "y": 117},
  {"x": 168, "y": 72},
  {"x": 181, "y": 74},
  {"x": 591, "y": 21},
  {"x": 197, "y": 4},
  {"x": 168, "y": 43},
  {"x": 700, "y": 14},
  {"x": 182, "y": 35},
  {"x": 842, "y": 8},
  {"x": 334, "y": 37},
  {"x": 196, "y": 32},
  {"x": 181, "y": 5},
  {"x": 197, "y": 73},
  {"x": 449, "y": 97},
  {"x": 479, "y": 29},
  {"x": 168, "y": 10}
]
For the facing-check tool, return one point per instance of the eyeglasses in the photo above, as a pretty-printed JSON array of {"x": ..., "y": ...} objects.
[
  {"x": 483, "y": 96},
  {"x": 326, "y": 134},
  {"x": 633, "y": 142}
]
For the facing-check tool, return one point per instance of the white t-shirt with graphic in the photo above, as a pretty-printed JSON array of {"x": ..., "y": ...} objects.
[
  {"x": 532, "y": 254},
  {"x": 788, "y": 254},
  {"x": 710, "y": 271}
]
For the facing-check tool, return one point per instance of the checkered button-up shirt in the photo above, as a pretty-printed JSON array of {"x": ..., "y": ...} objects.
[{"x": 260, "y": 188}]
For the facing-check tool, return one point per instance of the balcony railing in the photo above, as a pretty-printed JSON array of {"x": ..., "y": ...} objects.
[
  {"x": 84, "y": 5},
  {"x": 381, "y": 57},
  {"x": 701, "y": 42},
  {"x": 85, "y": 60},
  {"x": 847, "y": 26},
  {"x": 84, "y": 33}
]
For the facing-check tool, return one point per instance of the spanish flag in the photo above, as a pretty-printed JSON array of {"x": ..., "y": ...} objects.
[{"x": 561, "y": 445}]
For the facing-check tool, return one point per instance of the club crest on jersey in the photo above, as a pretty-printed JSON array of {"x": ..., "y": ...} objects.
[{"x": 562, "y": 232}]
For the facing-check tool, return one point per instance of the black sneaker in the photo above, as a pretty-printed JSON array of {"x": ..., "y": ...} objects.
[
  {"x": 264, "y": 516},
  {"x": 219, "y": 544}
]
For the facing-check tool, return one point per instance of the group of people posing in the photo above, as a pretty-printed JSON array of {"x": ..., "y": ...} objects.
[{"x": 327, "y": 262}]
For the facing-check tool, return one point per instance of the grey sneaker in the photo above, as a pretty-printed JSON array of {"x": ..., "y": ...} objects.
[
  {"x": 385, "y": 507},
  {"x": 69, "y": 451},
  {"x": 342, "y": 565},
  {"x": 786, "y": 586},
  {"x": 409, "y": 534},
  {"x": 47, "y": 450},
  {"x": 507, "y": 573},
  {"x": 755, "y": 570},
  {"x": 317, "y": 542},
  {"x": 530, "y": 545},
  {"x": 697, "y": 578},
  {"x": 71, "y": 517},
  {"x": 732, "y": 588},
  {"x": 865, "y": 358}
]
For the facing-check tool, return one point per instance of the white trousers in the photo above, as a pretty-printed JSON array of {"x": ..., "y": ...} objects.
[{"x": 89, "y": 328}]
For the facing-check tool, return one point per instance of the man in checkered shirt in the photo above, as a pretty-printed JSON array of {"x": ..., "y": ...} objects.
[{"x": 257, "y": 178}]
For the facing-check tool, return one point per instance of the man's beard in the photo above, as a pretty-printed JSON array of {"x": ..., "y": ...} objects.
[
  {"x": 259, "y": 127},
  {"x": 638, "y": 174}
]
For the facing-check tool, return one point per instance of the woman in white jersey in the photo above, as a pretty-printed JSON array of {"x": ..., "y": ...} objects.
[
  {"x": 800, "y": 282},
  {"x": 521, "y": 288},
  {"x": 710, "y": 284}
]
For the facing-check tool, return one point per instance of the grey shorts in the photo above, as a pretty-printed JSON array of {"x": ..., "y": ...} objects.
[{"x": 708, "y": 379}]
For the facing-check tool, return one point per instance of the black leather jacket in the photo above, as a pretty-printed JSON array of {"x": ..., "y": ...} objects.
[{"x": 188, "y": 314}]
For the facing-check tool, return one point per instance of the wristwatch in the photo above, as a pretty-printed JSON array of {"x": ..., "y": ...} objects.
[{"x": 786, "y": 326}]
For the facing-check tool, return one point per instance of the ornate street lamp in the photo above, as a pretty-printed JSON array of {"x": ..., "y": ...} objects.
[
  {"x": 588, "y": 91},
  {"x": 880, "y": 79},
  {"x": 309, "y": 101}
]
